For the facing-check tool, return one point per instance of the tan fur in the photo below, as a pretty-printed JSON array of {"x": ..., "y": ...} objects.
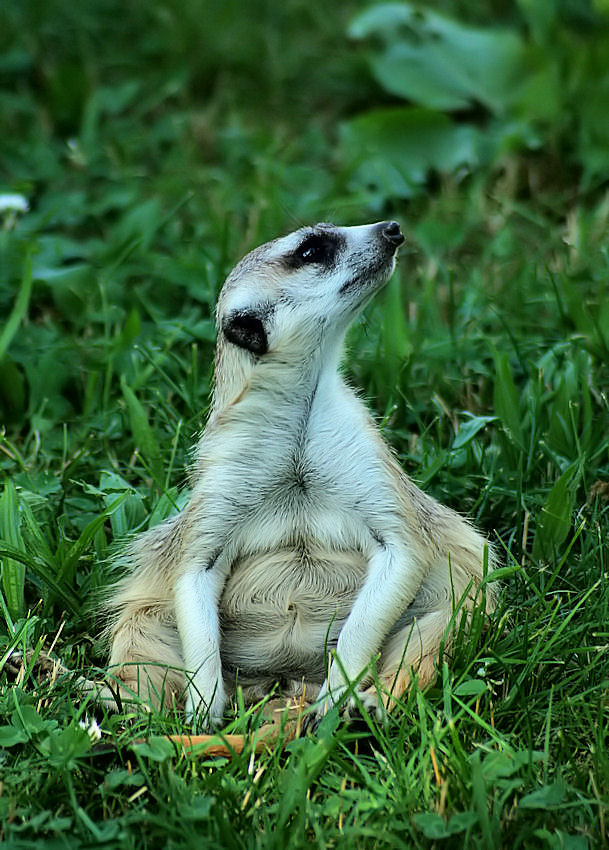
[{"x": 289, "y": 576}]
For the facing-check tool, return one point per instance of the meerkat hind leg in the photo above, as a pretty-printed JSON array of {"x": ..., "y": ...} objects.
[
  {"x": 146, "y": 661},
  {"x": 448, "y": 594},
  {"x": 414, "y": 649}
]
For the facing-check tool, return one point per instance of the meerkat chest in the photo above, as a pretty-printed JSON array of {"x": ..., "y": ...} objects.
[
  {"x": 274, "y": 474},
  {"x": 315, "y": 488}
]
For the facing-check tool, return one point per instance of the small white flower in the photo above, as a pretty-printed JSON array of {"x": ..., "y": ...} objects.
[
  {"x": 12, "y": 202},
  {"x": 481, "y": 671},
  {"x": 91, "y": 727}
]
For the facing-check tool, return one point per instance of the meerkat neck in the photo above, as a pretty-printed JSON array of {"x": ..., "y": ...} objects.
[{"x": 283, "y": 381}]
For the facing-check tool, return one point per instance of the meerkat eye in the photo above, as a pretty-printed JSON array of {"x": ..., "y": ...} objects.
[{"x": 315, "y": 249}]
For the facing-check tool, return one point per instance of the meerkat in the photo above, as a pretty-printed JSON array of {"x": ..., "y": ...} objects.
[{"x": 303, "y": 538}]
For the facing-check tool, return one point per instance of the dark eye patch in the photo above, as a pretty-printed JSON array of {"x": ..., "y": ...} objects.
[
  {"x": 315, "y": 249},
  {"x": 246, "y": 330}
]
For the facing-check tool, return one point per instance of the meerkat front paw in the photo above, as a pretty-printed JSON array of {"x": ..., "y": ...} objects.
[
  {"x": 351, "y": 706},
  {"x": 207, "y": 711}
]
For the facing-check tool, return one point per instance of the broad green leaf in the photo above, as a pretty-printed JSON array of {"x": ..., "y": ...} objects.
[
  {"x": 77, "y": 549},
  {"x": 394, "y": 149},
  {"x": 505, "y": 763},
  {"x": 28, "y": 718},
  {"x": 440, "y": 63},
  {"x": 120, "y": 776},
  {"x": 169, "y": 503},
  {"x": 156, "y": 749},
  {"x": 419, "y": 73},
  {"x": 461, "y": 821},
  {"x": 143, "y": 435},
  {"x": 471, "y": 687},
  {"x": 541, "y": 798},
  {"x": 560, "y": 840},
  {"x": 431, "y": 824},
  {"x": 10, "y": 736},
  {"x": 555, "y": 518},
  {"x": 63, "y": 747},
  {"x": 131, "y": 511},
  {"x": 198, "y": 809}
]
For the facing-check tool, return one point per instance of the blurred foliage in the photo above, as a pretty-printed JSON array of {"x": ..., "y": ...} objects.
[
  {"x": 143, "y": 149},
  {"x": 539, "y": 80}
]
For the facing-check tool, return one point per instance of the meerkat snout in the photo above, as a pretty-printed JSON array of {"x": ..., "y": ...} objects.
[{"x": 392, "y": 233}]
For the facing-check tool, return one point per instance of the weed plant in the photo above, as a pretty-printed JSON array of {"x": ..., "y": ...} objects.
[{"x": 155, "y": 144}]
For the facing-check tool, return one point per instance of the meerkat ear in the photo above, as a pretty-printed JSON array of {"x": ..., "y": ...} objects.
[{"x": 247, "y": 331}]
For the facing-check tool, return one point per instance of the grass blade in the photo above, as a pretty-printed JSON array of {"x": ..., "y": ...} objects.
[
  {"x": 19, "y": 309},
  {"x": 507, "y": 405},
  {"x": 13, "y": 571},
  {"x": 143, "y": 434}
]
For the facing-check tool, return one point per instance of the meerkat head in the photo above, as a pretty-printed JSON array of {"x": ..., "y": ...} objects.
[{"x": 292, "y": 295}]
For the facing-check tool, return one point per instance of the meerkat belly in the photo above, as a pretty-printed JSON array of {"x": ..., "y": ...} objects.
[{"x": 281, "y": 610}]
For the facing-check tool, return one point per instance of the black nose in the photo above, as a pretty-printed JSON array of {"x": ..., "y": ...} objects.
[{"x": 390, "y": 230}]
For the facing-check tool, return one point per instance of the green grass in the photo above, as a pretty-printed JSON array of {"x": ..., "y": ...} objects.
[{"x": 155, "y": 153}]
